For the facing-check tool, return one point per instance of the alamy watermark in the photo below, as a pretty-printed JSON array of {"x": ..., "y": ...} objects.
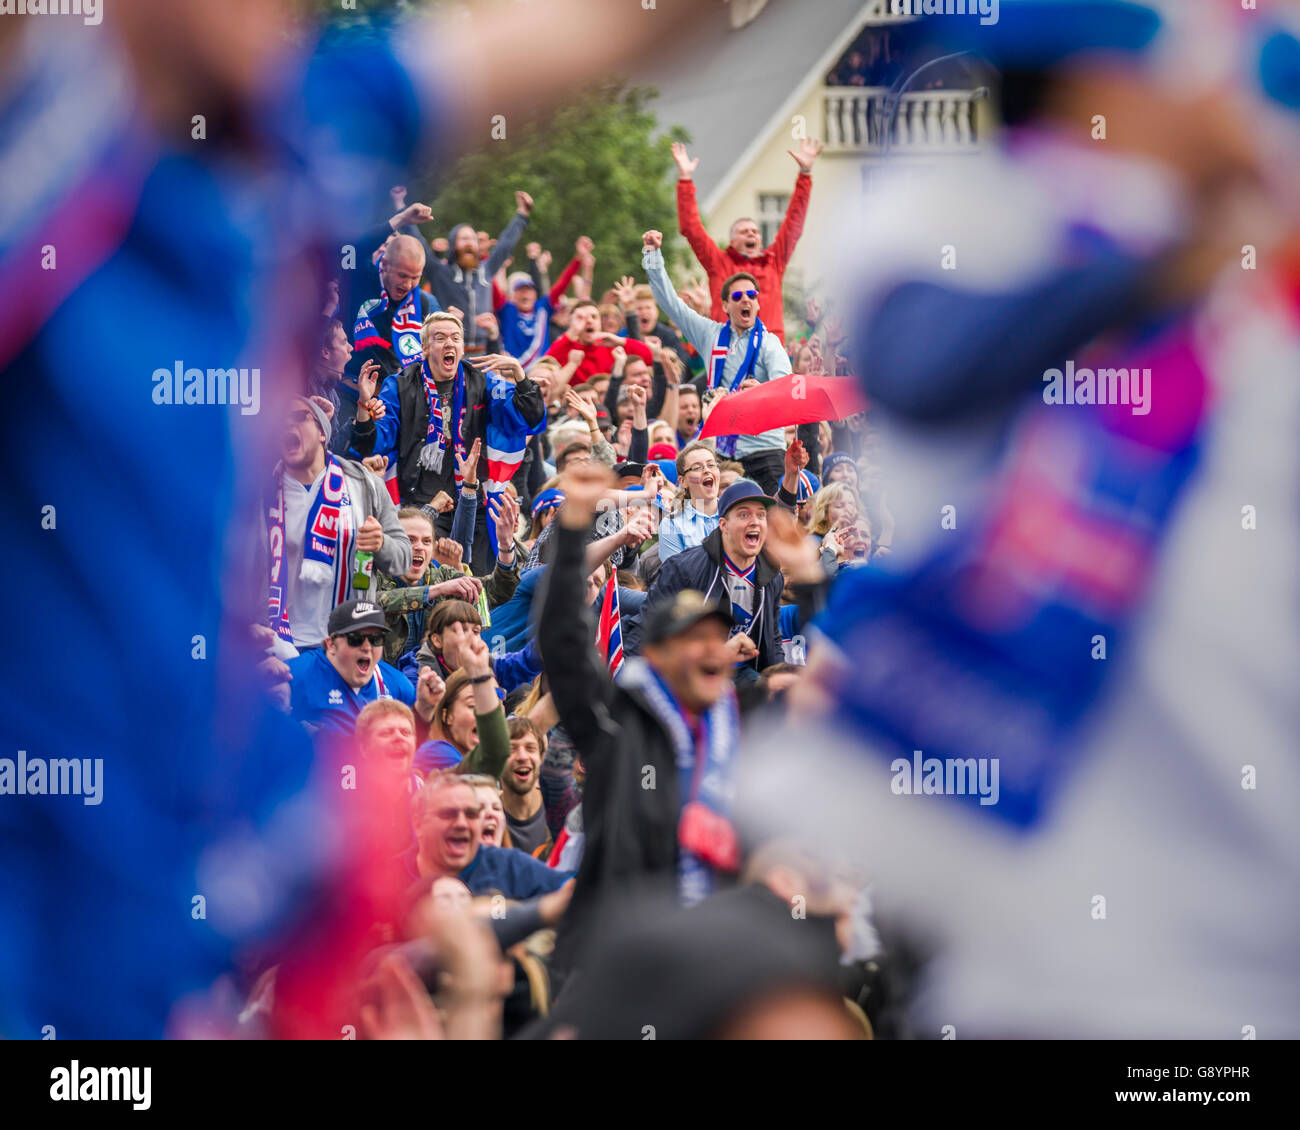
[
  {"x": 58, "y": 776},
  {"x": 179, "y": 385},
  {"x": 90, "y": 11},
  {"x": 947, "y": 776},
  {"x": 987, "y": 10},
  {"x": 1099, "y": 386}
]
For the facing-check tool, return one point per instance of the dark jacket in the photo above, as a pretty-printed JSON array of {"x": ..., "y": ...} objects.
[
  {"x": 700, "y": 568},
  {"x": 403, "y": 395},
  {"x": 471, "y": 291},
  {"x": 631, "y": 830}
]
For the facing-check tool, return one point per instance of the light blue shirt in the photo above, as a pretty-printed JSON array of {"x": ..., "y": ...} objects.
[
  {"x": 703, "y": 333},
  {"x": 684, "y": 531}
]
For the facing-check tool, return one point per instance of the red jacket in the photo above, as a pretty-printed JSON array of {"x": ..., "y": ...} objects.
[
  {"x": 768, "y": 268},
  {"x": 599, "y": 358}
]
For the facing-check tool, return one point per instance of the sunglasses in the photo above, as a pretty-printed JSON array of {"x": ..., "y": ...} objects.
[
  {"x": 356, "y": 639},
  {"x": 737, "y": 295}
]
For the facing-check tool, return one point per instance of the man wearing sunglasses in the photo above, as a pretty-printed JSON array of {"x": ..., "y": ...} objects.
[
  {"x": 329, "y": 686},
  {"x": 738, "y": 354}
]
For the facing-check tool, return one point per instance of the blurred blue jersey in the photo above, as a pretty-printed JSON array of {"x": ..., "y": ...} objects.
[{"x": 125, "y": 257}]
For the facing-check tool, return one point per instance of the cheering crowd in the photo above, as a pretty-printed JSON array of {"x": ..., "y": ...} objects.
[
  {"x": 539, "y": 660},
  {"x": 512, "y": 579}
]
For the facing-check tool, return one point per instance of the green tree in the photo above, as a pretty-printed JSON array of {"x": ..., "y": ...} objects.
[{"x": 593, "y": 167}]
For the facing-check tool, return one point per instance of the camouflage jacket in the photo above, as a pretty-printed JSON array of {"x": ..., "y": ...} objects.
[{"x": 406, "y": 610}]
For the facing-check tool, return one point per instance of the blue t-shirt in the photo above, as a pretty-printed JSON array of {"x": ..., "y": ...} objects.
[
  {"x": 526, "y": 336},
  {"x": 319, "y": 695},
  {"x": 514, "y": 873}
]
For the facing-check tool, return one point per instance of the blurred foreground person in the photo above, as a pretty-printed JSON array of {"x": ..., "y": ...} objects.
[
  {"x": 1066, "y": 704},
  {"x": 265, "y": 145},
  {"x": 737, "y": 966}
]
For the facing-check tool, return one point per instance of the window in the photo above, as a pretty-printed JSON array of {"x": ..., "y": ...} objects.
[{"x": 771, "y": 211}]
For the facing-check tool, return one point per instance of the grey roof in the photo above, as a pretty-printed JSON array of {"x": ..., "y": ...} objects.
[{"x": 731, "y": 82}]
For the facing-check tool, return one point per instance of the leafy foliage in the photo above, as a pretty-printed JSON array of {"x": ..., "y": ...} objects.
[{"x": 593, "y": 167}]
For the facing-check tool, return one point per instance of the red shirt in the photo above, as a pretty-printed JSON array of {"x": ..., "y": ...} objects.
[
  {"x": 599, "y": 357},
  {"x": 768, "y": 268}
]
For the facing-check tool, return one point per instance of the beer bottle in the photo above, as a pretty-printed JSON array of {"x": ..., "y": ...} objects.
[{"x": 365, "y": 567}]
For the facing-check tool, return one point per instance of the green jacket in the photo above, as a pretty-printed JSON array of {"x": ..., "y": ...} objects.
[
  {"x": 493, "y": 748},
  {"x": 406, "y": 610}
]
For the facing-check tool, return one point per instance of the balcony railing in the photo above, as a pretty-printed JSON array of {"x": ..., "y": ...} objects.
[{"x": 925, "y": 121}]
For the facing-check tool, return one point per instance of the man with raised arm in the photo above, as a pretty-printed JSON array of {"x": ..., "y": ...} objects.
[{"x": 745, "y": 251}]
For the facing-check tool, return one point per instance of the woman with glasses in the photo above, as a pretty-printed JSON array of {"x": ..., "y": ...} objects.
[{"x": 695, "y": 511}]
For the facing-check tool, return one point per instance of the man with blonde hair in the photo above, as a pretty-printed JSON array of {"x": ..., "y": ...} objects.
[{"x": 437, "y": 407}]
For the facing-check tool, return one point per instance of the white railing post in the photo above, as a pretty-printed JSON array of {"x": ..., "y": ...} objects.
[{"x": 934, "y": 120}]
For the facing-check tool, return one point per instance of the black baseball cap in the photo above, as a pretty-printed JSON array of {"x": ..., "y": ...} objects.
[
  {"x": 353, "y": 615},
  {"x": 628, "y": 469},
  {"x": 681, "y": 611}
]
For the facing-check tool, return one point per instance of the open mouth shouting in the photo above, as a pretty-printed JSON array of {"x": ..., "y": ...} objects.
[
  {"x": 709, "y": 481},
  {"x": 753, "y": 540},
  {"x": 419, "y": 559},
  {"x": 456, "y": 844},
  {"x": 365, "y": 666},
  {"x": 448, "y": 359},
  {"x": 745, "y": 313}
]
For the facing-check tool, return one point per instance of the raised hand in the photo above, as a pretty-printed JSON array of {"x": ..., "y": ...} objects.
[
  {"x": 696, "y": 295},
  {"x": 324, "y": 405},
  {"x": 742, "y": 648},
  {"x": 544, "y": 262},
  {"x": 809, "y": 148},
  {"x": 503, "y": 364},
  {"x": 377, "y": 464},
  {"x": 790, "y": 548},
  {"x": 506, "y": 517},
  {"x": 655, "y": 345},
  {"x": 440, "y": 245},
  {"x": 584, "y": 247},
  {"x": 467, "y": 468},
  {"x": 371, "y": 535},
  {"x": 475, "y": 657},
  {"x": 576, "y": 358},
  {"x": 584, "y": 485},
  {"x": 533, "y": 250},
  {"x": 637, "y": 395},
  {"x": 448, "y": 552},
  {"x": 412, "y": 214},
  {"x": 672, "y": 365},
  {"x": 442, "y": 502},
  {"x": 580, "y": 406},
  {"x": 796, "y": 458},
  {"x": 524, "y": 202},
  {"x": 685, "y": 166},
  {"x": 398, "y": 194},
  {"x": 652, "y": 240},
  {"x": 640, "y": 525},
  {"x": 367, "y": 379},
  {"x": 428, "y": 691},
  {"x": 625, "y": 292},
  {"x": 488, "y": 322}
]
